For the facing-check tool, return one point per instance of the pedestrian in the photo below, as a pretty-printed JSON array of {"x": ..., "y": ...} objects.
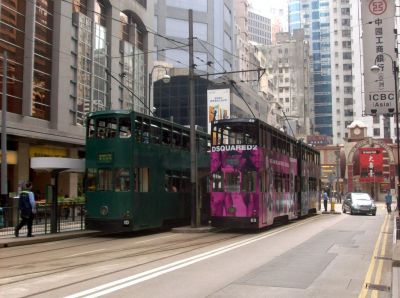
[
  {"x": 388, "y": 201},
  {"x": 325, "y": 198},
  {"x": 27, "y": 207}
]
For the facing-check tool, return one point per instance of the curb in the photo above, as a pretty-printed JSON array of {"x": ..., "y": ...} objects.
[{"x": 12, "y": 242}]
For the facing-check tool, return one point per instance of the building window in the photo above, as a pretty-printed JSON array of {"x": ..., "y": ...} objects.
[
  {"x": 377, "y": 132},
  {"x": 12, "y": 35},
  {"x": 84, "y": 61}
]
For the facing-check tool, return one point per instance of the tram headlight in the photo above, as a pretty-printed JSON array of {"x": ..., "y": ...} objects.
[
  {"x": 103, "y": 210},
  {"x": 126, "y": 218}
]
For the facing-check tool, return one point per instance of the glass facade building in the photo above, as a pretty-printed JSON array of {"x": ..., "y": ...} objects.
[
  {"x": 65, "y": 59},
  {"x": 313, "y": 17}
]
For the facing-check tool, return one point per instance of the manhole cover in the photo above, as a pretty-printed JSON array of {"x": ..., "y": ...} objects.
[
  {"x": 383, "y": 258},
  {"x": 378, "y": 287}
]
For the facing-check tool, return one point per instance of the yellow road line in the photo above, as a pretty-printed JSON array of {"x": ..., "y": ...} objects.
[
  {"x": 368, "y": 276},
  {"x": 378, "y": 274}
]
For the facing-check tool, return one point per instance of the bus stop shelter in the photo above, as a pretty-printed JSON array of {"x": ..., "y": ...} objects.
[{"x": 56, "y": 165}]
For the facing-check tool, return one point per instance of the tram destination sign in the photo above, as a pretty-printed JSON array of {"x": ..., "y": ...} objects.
[
  {"x": 379, "y": 49},
  {"x": 105, "y": 157}
]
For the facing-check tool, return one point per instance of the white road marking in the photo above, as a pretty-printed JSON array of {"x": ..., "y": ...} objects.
[
  {"x": 143, "y": 276},
  {"x": 85, "y": 253}
]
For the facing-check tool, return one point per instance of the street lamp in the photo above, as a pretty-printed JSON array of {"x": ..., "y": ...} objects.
[
  {"x": 166, "y": 79},
  {"x": 375, "y": 68}
]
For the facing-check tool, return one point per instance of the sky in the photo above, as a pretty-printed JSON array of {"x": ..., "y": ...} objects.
[{"x": 264, "y": 7}]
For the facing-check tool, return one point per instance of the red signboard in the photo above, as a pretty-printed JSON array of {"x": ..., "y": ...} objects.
[{"x": 371, "y": 164}]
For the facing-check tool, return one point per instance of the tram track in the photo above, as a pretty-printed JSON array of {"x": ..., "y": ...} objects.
[
  {"x": 29, "y": 275},
  {"x": 135, "y": 245},
  {"x": 174, "y": 248}
]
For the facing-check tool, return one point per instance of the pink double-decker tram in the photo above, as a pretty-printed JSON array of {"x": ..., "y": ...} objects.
[{"x": 260, "y": 175}]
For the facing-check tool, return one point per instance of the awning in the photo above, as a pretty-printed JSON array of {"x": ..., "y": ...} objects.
[{"x": 63, "y": 164}]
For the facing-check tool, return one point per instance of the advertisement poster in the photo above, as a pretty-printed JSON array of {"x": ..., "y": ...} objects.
[
  {"x": 371, "y": 164},
  {"x": 218, "y": 105}
]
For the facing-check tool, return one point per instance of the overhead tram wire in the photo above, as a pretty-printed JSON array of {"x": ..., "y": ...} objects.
[
  {"x": 130, "y": 90},
  {"x": 115, "y": 57},
  {"x": 233, "y": 84},
  {"x": 148, "y": 52},
  {"x": 149, "y": 30},
  {"x": 167, "y": 38},
  {"x": 212, "y": 56},
  {"x": 152, "y": 31}
]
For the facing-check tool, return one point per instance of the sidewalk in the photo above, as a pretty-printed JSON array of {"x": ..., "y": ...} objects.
[
  {"x": 396, "y": 257},
  {"x": 10, "y": 241}
]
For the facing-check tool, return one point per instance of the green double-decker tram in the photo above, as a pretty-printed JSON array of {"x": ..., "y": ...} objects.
[{"x": 138, "y": 171}]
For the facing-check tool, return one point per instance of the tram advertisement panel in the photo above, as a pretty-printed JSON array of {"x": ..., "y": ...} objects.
[
  {"x": 371, "y": 164},
  {"x": 234, "y": 177}
]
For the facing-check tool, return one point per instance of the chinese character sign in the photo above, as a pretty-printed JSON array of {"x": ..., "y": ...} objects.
[
  {"x": 218, "y": 105},
  {"x": 378, "y": 44},
  {"x": 371, "y": 164}
]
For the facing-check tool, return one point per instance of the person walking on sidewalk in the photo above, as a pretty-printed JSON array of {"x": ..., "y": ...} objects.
[
  {"x": 388, "y": 201},
  {"x": 325, "y": 198},
  {"x": 27, "y": 207}
]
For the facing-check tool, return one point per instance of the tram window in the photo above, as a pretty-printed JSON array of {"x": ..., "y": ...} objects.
[
  {"x": 176, "y": 138},
  {"x": 217, "y": 182},
  {"x": 166, "y": 135},
  {"x": 91, "y": 179},
  {"x": 145, "y": 132},
  {"x": 274, "y": 144},
  {"x": 249, "y": 181},
  {"x": 286, "y": 182},
  {"x": 185, "y": 182},
  {"x": 297, "y": 187},
  {"x": 227, "y": 137},
  {"x": 122, "y": 180},
  {"x": 155, "y": 132},
  {"x": 232, "y": 182},
  {"x": 239, "y": 138},
  {"x": 105, "y": 180},
  {"x": 278, "y": 182},
  {"x": 91, "y": 129},
  {"x": 185, "y": 141},
  {"x": 138, "y": 129},
  {"x": 142, "y": 179},
  {"x": 101, "y": 129},
  {"x": 202, "y": 144},
  {"x": 172, "y": 181},
  {"x": 124, "y": 128},
  {"x": 111, "y": 128}
]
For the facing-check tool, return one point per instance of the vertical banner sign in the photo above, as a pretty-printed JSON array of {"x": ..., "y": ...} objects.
[
  {"x": 218, "y": 105},
  {"x": 378, "y": 44},
  {"x": 371, "y": 164}
]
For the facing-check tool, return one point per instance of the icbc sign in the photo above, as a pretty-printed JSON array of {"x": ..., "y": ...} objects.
[
  {"x": 378, "y": 49},
  {"x": 377, "y": 7}
]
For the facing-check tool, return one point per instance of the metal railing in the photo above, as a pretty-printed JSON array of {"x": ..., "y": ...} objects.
[{"x": 70, "y": 217}]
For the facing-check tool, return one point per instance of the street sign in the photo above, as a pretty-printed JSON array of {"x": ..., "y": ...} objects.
[{"x": 378, "y": 49}]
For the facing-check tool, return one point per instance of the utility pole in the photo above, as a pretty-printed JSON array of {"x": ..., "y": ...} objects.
[
  {"x": 4, "y": 190},
  {"x": 192, "y": 115}
]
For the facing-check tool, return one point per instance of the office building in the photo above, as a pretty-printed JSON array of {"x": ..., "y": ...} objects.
[{"x": 58, "y": 54}]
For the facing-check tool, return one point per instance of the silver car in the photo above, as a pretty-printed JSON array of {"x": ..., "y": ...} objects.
[{"x": 358, "y": 203}]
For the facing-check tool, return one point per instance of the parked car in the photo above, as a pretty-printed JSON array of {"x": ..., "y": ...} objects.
[{"x": 358, "y": 203}]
